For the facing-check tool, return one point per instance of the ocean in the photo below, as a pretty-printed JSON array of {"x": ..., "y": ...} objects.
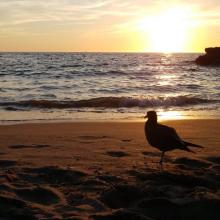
[{"x": 106, "y": 86}]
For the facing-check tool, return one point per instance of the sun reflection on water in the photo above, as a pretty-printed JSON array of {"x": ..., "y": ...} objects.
[
  {"x": 170, "y": 115},
  {"x": 166, "y": 79}
]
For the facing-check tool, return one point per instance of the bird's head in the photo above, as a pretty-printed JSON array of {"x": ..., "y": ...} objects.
[{"x": 151, "y": 115}]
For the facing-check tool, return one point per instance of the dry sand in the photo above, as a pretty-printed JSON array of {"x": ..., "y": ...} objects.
[{"x": 107, "y": 171}]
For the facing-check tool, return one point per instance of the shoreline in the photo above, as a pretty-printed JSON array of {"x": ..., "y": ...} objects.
[{"x": 115, "y": 120}]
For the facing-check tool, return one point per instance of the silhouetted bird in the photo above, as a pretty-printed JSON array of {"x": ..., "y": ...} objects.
[{"x": 163, "y": 137}]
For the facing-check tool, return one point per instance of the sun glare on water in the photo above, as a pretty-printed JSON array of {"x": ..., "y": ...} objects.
[
  {"x": 167, "y": 31},
  {"x": 170, "y": 115}
]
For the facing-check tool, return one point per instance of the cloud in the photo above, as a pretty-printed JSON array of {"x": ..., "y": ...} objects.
[
  {"x": 18, "y": 12},
  {"x": 113, "y": 14},
  {"x": 25, "y": 11}
]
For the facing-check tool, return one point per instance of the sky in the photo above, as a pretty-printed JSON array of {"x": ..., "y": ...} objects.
[{"x": 109, "y": 25}]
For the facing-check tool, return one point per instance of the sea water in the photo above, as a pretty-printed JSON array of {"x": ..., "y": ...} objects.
[{"x": 106, "y": 86}]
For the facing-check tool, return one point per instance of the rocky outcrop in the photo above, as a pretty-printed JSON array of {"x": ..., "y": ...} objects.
[{"x": 212, "y": 57}]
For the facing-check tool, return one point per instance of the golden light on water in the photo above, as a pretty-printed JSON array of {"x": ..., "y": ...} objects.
[
  {"x": 165, "y": 79},
  {"x": 167, "y": 31},
  {"x": 170, "y": 115}
]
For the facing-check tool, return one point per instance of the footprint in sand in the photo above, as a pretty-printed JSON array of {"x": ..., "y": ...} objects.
[
  {"x": 21, "y": 146},
  {"x": 81, "y": 201},
  {"x": 56, "y": 174},
  {"x": 121, "y": 214},
  {"x": 109, "y": 178},
  {"x": 160, "y": 208},
  {"x": 40, "y": 195},
  {"x": 126, "y": 140},
  {"x": 89, "y": 137},
  {"x": 122, "y": 196},
  {"x": 215, "y": 160},
  {"x": 150, "y": 154},
  {"x": 86, "y": 142},
  {"x": 192, "y": 163},
  {"x": 12, "y": 208},
  {"x": 117, "y": 154},
  {"x": 7, "y": 163}
]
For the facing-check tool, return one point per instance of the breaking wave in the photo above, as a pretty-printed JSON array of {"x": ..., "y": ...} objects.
[{"x": 111, "y": 102}]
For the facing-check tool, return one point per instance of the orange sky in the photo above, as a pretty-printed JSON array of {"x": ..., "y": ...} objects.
[{"x": 109, "y": 25}]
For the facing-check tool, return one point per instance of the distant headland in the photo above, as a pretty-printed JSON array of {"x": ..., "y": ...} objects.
[{"x": 212, "y": 57}]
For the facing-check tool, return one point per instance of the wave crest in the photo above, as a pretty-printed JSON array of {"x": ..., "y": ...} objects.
[{"x": 111, "y": 102}]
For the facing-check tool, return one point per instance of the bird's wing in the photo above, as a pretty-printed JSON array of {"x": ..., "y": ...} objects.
[{"x": 169, "y": 135}]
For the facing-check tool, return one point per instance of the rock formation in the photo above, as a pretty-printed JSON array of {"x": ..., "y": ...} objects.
[{"x": 212, "y": 57}]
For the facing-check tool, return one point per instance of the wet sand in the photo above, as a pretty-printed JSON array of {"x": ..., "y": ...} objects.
[{"x": 107, "y": 171}]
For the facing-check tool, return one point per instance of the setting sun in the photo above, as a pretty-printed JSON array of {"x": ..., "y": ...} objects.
[{"x": 167, "y": 31}]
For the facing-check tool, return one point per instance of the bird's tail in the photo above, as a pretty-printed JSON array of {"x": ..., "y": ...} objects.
[{"x": 193, "y": 145}]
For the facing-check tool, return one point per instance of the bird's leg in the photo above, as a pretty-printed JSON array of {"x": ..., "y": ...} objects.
[{"x": 161, "y": 159}]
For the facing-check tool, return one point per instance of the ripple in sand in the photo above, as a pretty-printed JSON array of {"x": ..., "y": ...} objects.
[
  {"x": 117, "y": 153},
  {"x": 21, "y": 146},
  {"x": 126, "y": 140},
  {"x": 151, "y": 154},
  {"x": 88, "y": 137}
]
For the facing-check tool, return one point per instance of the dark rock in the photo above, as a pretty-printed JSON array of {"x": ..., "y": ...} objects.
[{"x": 212, "y": 57}]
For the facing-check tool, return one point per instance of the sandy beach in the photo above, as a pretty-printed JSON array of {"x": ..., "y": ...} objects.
[{"x": 107, "y": 170}]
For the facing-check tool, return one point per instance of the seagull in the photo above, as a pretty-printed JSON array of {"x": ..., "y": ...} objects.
[{"x": 164, "y": 138}]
